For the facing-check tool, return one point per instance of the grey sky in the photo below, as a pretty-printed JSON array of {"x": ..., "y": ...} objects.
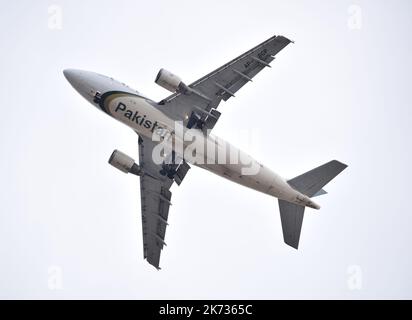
[{"x": 339, "y": 92}]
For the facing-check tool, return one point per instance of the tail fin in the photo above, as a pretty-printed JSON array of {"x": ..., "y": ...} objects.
[{"x": 310, "y": 184}]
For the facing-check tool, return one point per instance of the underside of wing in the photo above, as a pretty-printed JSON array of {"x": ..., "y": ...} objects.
[
  {"x": 155, "y": 183},
  {"x": 198, "y": 104},
  {"x": 155, "y": 202}
]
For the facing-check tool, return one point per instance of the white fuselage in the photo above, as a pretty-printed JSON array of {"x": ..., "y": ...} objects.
[{"x": 140, "y": 114}]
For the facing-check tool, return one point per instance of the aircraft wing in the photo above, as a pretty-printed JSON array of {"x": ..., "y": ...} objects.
[
  {"x": 155, "y": 200},
  {"x": 200, "y": 102}
]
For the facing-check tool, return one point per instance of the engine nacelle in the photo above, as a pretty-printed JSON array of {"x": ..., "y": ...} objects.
[
  {"x": 170, "y": 82},
  {"x": 124, "y": 163}
]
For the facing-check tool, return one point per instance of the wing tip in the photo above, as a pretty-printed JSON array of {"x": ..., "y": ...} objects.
[
  {"x": 292, "y": 243},
  {"x": 342, "y": 165},
  {"x": 285, "y": 38},
  {"x": 156, "y": 266}
]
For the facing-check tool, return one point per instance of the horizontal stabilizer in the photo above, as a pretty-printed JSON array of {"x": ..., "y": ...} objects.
[{"x": 312, "y": 181}]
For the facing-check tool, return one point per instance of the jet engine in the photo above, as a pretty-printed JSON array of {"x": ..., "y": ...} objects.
[
  {"x": 124, "y": 163},
  {"x": 170, "y": 82}
]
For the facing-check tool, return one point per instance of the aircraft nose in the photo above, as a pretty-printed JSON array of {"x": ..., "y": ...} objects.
[
  {"x": 88, "y": 84},
  {"x": 67, "y": 73},
  {"x": 73, "y": 76},
  {"x": 79, "y": 80}
]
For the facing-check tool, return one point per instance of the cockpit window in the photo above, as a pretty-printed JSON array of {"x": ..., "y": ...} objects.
[{"x": 97, "y": 97}]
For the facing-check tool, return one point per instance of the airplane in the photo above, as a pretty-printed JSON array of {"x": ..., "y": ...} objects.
[{"x": 166, "y": 131}]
